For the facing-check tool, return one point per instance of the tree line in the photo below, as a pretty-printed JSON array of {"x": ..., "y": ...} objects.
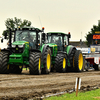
[
  {"x": 89, "y": 36},
  {"x": 15, "y": 22}
]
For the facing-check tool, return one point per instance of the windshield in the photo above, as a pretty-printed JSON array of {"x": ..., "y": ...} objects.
[
  {"x": 29, "y": 36},
  {"x": 57, "y": 39},
  {"x": 54, "y": 39}
]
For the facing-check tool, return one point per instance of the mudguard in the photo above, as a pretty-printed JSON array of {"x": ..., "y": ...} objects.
[{"x": 70, "y": 49}]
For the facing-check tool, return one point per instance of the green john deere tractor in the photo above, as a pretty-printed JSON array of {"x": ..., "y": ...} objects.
[
  {"x": 65, "y": 57},
  {"x": 26, "y": 48}
]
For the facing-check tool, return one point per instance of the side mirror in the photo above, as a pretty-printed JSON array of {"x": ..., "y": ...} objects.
[
  {"x": 2, "y": 40},
  {"x": 43, "y": 36},
  {"x": 64, "y": 42},
  {"x": 42, "y": 41}
]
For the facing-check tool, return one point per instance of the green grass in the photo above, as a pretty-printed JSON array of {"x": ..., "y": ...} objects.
[{"x": 90, "y": 95}]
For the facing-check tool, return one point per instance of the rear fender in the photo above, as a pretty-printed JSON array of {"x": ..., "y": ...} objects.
[
  {"x": 43, "y": 49},
  {"x": 69, "y": 49}
]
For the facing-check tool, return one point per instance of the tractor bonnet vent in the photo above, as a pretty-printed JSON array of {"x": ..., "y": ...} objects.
[{"x": 17, "y": 49}]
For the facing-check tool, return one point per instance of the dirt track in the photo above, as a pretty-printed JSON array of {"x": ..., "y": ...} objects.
[{"x": 29, "y": 86}]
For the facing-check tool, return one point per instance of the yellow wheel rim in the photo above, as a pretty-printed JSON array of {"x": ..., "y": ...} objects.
[
  {"x": 80, "y": 61},
  {"x": 7, "y": 66},
  {"x": 48, "y": 61},
  {"x": 20, "y": 67},
  {"x": 39, "y": 67},
  {"x": 64, "y": 63}
]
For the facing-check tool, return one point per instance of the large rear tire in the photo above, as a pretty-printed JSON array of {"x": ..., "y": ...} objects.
[
  {"x": 35, "y": 63},
  {"x": 71, "y": 57},
  {"x": 47, "y": 61},
  {"x": 4, "y": 66},
  {"x": 78, "y": 61},
  {"x": 61, "y": 63}
]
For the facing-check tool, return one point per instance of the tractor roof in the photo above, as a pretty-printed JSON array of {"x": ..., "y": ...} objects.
[
  {"x": 29, "y": 28},
  {"x": 56, "y": 33},
  {"x": 59, "y": 33}
]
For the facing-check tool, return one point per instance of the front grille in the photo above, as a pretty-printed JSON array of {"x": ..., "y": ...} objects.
[
  {"x": 17, "y": 49},
  {"x": 14, "y": 57}
]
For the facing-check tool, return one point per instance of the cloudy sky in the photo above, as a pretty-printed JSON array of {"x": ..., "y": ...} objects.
[{"x": 76, "y": 16}]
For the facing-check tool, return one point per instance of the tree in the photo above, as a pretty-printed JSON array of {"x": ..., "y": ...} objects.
[
  {"x": 15, "y": 23},
  {"x": 89, "y": 37}
]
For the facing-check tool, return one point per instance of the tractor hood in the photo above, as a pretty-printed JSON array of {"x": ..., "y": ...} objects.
[{"x": 19, "y": 42}]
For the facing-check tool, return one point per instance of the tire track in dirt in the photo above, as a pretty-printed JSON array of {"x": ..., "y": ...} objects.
[{"x": 23, "y": 86}]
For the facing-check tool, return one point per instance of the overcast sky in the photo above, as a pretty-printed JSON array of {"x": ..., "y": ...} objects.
[{"x": 76, "y": 16}]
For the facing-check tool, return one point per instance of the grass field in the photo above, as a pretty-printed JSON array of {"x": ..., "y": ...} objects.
[{"x": 89, "y": 95}]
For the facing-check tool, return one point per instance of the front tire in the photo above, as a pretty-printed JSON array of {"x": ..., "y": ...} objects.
[
  {"x": 47, "y": 61},
  {"x": 35, "y": 63},
  {"x": 60, "y": 63},
  {"x": 4, "y": 66}
]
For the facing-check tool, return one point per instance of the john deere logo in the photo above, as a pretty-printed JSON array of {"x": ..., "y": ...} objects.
[{"x": 16, "y": 48}]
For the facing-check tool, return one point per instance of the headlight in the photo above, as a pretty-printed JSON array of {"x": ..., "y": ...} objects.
[
  {"x": 13, "y": 46},
  {"x": 20, "y": 46}
]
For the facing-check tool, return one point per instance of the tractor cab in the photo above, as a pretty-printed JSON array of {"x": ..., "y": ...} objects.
[
  {"x": 31, "y": 35},
  {"x": 19, "y": 37},
  {"x": 59, "y": 38}
]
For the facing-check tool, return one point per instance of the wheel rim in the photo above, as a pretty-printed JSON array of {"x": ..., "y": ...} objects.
[
  {"x": 20, "y": 67},
  {"x": 39, "y": 67},
  {"x": 48, "y": 61},
  {"x": 64, "y": 63},
  {"x": 80, "y": 61},
  {"x": 7, "y": 66}
]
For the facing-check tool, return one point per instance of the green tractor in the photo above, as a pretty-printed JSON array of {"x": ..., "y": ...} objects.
[
  {"x": 64, "y": 57},
  {"x": 27, "y": 49}
]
